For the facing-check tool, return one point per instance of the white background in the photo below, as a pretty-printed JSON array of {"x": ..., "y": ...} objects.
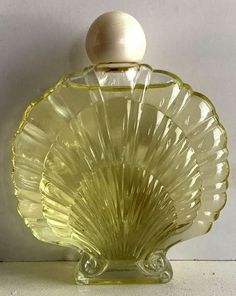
[{"x": 41, "y": 40}]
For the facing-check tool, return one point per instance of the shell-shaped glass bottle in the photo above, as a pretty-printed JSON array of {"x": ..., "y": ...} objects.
[{"x": 120, "y": 162}]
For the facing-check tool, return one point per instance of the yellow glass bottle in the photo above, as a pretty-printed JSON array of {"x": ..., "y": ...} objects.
[{"x": 120, "y": 161}]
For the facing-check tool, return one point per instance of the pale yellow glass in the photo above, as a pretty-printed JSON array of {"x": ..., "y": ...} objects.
[{"x": 120, "y": 162}]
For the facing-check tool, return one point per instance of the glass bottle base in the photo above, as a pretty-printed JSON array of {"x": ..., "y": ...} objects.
[{"x": 154, "y": 269}]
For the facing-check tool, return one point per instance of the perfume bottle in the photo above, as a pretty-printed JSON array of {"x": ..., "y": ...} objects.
[{"x": 120, "y": 161}]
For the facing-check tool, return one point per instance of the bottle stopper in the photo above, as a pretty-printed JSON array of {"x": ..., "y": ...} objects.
[{"x": 115, "y": 37}]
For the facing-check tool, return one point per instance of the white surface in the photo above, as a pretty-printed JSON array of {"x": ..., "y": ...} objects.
[
  {"x": 115, "y": 37},
  {"x": 42, "y": 40},
  {"x": 56, "y": 278}
]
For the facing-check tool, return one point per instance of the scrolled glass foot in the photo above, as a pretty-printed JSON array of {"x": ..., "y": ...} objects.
[
  {"x": 157, "y": 265},
  {"x": 89, "y": 266}
]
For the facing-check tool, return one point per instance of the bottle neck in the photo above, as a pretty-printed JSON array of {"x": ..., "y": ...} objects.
[{"x": 119, "y": 74}]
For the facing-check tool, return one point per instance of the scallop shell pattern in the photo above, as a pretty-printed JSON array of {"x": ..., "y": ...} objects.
[{"x": 120, "y": 171}]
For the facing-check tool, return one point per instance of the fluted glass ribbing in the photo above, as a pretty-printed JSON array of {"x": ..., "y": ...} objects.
[{"x": 120, "y": 162}]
